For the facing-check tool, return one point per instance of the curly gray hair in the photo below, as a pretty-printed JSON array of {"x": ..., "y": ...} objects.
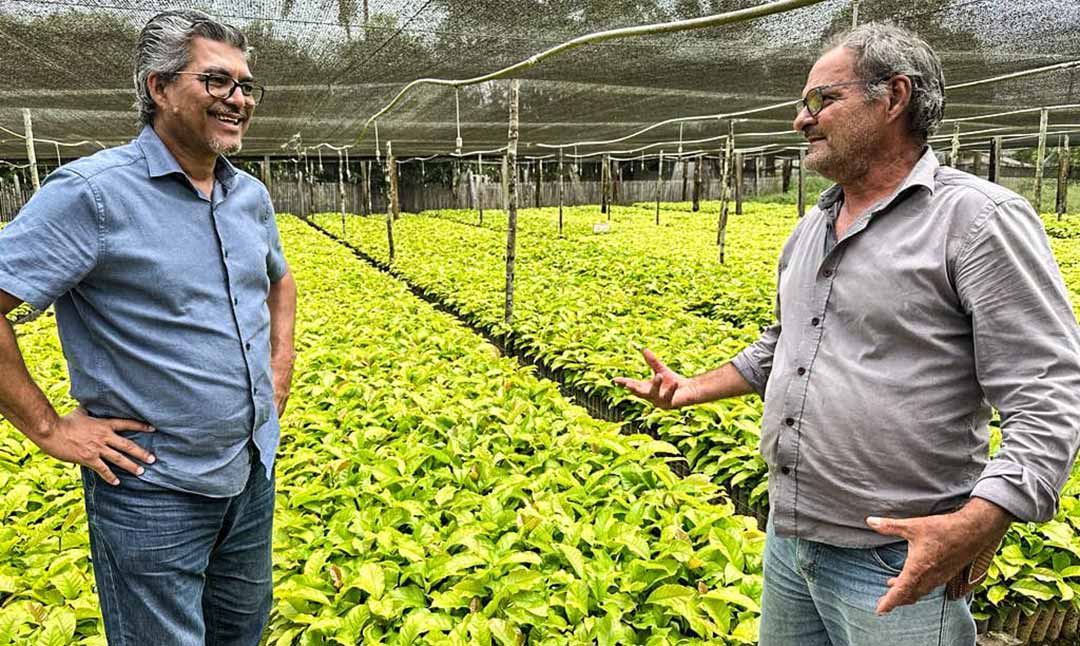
[
  {"x": 883, "y": 50},
  {"x": 163, "y": 48}
]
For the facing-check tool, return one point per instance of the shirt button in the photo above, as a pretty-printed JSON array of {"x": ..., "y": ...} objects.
[
  {"x": 801, "y": 371},
  {"x": 235, "y": 301},
  {"x": 785, "y": 470},
  {"x": 247, "y": 345},
  {"x": 814, "y": 321},
  {"x": 226, "y": 253},
  {"x": 827, "y": 273},
  {"x": 255, "y": 391},
  {"x": 790, "y": 421}
]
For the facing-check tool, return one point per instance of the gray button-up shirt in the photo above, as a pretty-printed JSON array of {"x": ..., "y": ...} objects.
[
  {"x": 160, "y": 297},
  {"x": 891, "y": 346}
]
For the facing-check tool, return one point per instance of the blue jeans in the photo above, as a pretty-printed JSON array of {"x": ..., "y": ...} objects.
[
  {"x": 179, "y": 569},
  {"x": 819, "y": 595}
]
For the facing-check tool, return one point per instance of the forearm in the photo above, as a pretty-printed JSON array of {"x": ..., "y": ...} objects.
[
  {"x": 282, "y": 304},
  {"x": 721, "y": 383},
  {"x": 21, "y": 400}
]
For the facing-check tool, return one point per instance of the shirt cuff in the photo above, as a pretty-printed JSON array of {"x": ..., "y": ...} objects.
[
  {"x": 751, "y": 370},
  {"x": 1018, "y": 491},
  {"x": 25, "y": 292}
]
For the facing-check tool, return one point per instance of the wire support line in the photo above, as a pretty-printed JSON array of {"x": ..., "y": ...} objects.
[
  {"x": 782, "y": 104},
  {"x": 1008, "y": 113},
  {"x": 42, "y": 140},
  {"x": 715, "y": 20},
  {"x": 1005, "y": 77}
]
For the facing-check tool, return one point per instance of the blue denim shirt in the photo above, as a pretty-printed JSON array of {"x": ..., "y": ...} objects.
[{"x": 160, "y": 298}]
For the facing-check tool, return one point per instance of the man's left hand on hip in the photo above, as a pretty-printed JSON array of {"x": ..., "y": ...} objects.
[{"x": 938, "y": 547}]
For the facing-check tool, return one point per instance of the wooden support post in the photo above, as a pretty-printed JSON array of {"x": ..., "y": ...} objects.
[
  {"x": 604, "y": 185},
  {"x": 391, "y": 171},
  {"x": 539, "y": 181},
  {"x": 300, "y": 189},
  {"x": 993, "y": 173},
  {"x": 511, "y": 230},
  {"x": 785, "y": 175},
  {"x": 976, "y": 163},
  {"x": 695, "y": 195},
  {"x": 267, "y": 180},
  {"x": 506, "y": 183},
  {"x": 31, "y": 155},
  {"x": 341, "y": 190},
  {"x": 659, "y": 184},
  {"x": 725, "y": 190},
  {"x": 954, "y": 155},
  {"x": 365, "y": 187},
  {"x": 685, "y": 175},
  {"x": 560, "y": 190},
  {"x": 802, "y": 183},
  {"x": 1063, "y": 177},
  {"x": 1040, "y": 156},
  {"x": 455, "y": 181},
  {"x": 757, "y": 175},
  {"x": 480, "y": 186},
  {"x": 394, "y": 203},
  {"x": 738, "y": 183}
]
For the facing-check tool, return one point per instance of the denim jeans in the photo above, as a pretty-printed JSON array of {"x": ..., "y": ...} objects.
[
  {"x": 179, "y": 569},
  {"x": 819, "y": 595}
]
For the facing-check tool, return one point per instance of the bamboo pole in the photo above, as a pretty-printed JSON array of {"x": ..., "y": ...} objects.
[
  {"x": 802, "y": 183},
  {"x": 31, "y": 155},
  {"x": 539, "y": 181},
  {"x": 505, "y": 184},
  {"x": 341, "y": 191},
  {"x": 266, "y": 179},
  {"x": 725, "y": 190},
  {"x": 1063, "y": 177},
  {"x": 954, "y": 155},
  {"x": 365, "y": 187},
  {"x": 758, "y": 174},
  {"x": 604, "y": 185},
  {"x": 1040, "y": 156},
  {"x": 994, "y": 166},
  {"x": 738, "y": 183},
  {"x": 480, "y": 186},
  {"x": 560, "y": 191},
  {"x": 685, "y": 177},
  {"x": 511, "y": 230},
  {"x": 390, "y": 172},
  {"x": 300, "y": 188},
  {"x": 659, "y": 184},
  {"x": 785, "y": 175},
  {"x": 394, "y": 203},
  {"x": 695, "y": 205}
]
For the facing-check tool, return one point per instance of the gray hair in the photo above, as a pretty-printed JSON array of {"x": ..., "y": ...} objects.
[
  {"x": 164, "y": 48},
  {"x": 883, "y": 50}
]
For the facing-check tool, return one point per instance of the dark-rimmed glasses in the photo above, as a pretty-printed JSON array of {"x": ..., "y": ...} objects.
[
  {"x": 222, "y": 87},
  {"x": 814, "y": 100}
]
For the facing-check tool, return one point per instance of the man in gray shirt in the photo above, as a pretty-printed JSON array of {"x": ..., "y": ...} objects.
[{"x": 912, "y": 300}]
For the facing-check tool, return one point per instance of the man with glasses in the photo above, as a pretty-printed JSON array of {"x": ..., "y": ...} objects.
[
  {"x": 175, "y": 308},
  {"x": 912, "y": 300}
]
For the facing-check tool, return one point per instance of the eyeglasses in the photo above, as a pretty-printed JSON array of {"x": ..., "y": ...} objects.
[
  {"x": 814, "y": 101},
  {"x": 222, "y": 87}
]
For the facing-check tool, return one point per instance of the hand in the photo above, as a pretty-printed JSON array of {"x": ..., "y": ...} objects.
[
  {"x": 89, "y": 441},
  {"x": 938, "y": 547},
  {"x": 281, "y": 370},
  {"x": 666, "y": 389}
]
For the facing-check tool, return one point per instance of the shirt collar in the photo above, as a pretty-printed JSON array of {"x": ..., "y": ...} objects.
[
  {"x": 922, "y": 174},
  {"x": 160, "y": 161}
]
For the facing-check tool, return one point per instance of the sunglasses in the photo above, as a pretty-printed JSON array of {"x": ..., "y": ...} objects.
[{"x": 814, "y": 100}]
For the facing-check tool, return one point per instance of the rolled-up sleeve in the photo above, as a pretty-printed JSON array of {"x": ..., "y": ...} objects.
[
  {"x": 54, "y": 242},
  {"x": 1027, "y": 357}
]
